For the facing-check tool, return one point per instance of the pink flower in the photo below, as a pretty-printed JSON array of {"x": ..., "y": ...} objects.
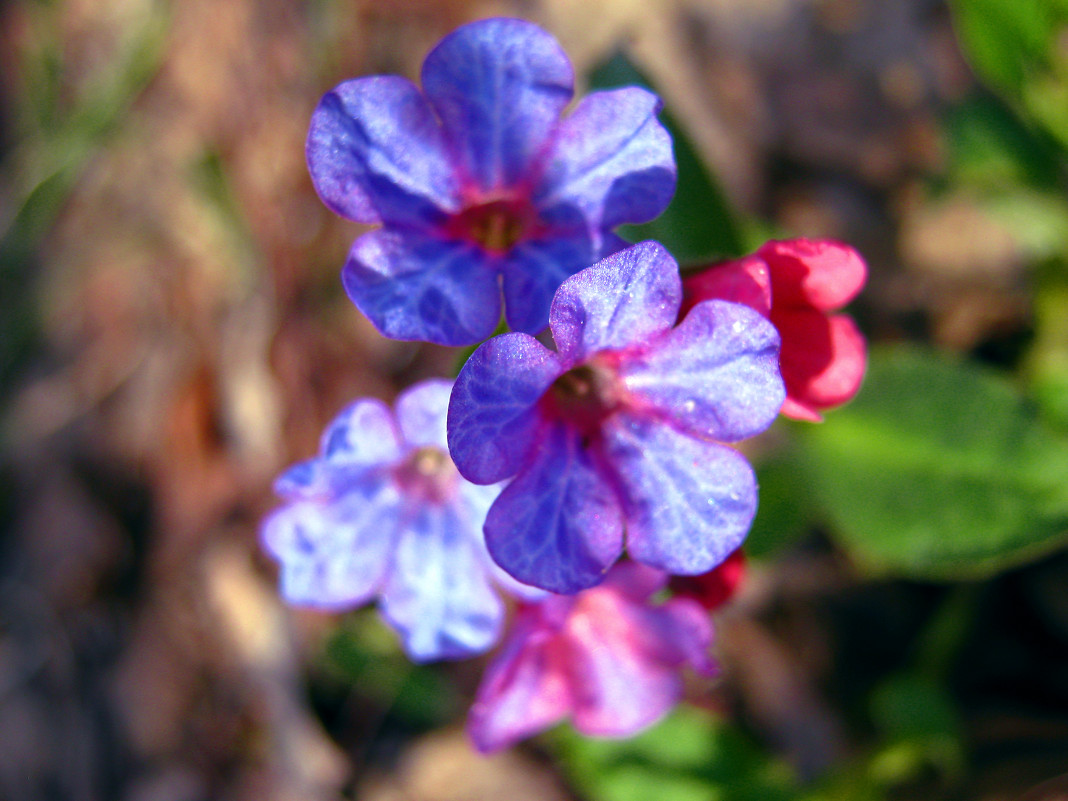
[
  {"x": 607, "y": 657},
  {"x": 717, "y": 586},
  {"x": 796, "y": 283}
]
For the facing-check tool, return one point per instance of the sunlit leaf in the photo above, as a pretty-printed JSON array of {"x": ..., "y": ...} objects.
[{"x": 940, "y": 469}]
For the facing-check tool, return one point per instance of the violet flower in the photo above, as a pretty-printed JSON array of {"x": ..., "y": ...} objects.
[
  {"x": 606, "y": 657},
  {"x": 382, "y": 512},
  {"x": 479, "y": 186},
  {"x": 621, "y": 429}
]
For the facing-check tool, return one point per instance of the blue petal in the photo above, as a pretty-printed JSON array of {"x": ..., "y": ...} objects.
[
  {"x": 688, "y": 503},
  {"x": 623, "y": 300},
  {"x": 493, "y": 417},
  {"x": 558, "y": 525},
  {"x": 499, "y": 86},
  {"x": 307, "y": 479},
  {"x": 376, "y": 154},
  {"x": 611, "y": 243},
  {"x": 716, "y": 375},
  {"x": 534, "y": 269},
  {"x": 473, "y": 501},
  {"x": 334, "y": 554},
  {"x": 416, "y": 287},
  {"x": 422, "y": 410},
  {"x": 363, "y": 435},
  {"x": 612, "y": 159},
  {"x": 438, "y": 595}
]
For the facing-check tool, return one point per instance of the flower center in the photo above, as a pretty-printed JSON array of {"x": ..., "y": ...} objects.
[
  {"x": 427, "y": 474},
  {"x": 497, "y": 226},
  {"x": 584, "y": 396}
]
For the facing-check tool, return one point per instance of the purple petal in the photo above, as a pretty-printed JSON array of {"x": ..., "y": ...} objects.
[
  {"x": 493, "y": 416},
  {"x": 376, "y": 154},
  {"x": 498, "y": 86},
  {"x": 558, "y": 525},
  {"x": 473, "y": 502},
  {"x": 437, "y": 594},
  {"x": 535, "y": 269},
  {"x": 612, "y": 159},
  {"x": 422, "y": 410},
  {"x": 635, "y": 581},
  {"x": 333, "y": 555},
  {"x": 684, "y": 636},
  {"x": 611, "y": 243},
  {"x": 620, "y": 686},
  {"x": 363, "y": 435},
  {"x": 525, "y": 689},
  {"x": 307, "y": 479},
  {"x": 716, "y": 375},
  {"x": 688, "y": 503},
  {"x": 625, "y": 299},
  {"x": 417, "y": 287}
]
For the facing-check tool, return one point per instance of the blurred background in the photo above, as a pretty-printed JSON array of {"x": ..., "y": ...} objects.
[{"x": 173, "y": 332}]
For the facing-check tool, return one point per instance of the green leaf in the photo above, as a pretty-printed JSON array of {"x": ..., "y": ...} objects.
[
  {"x": 1017, "y": 48},
  {"x": 1005, "y": 39},
  {"x": 698, "y": 225},
  {"x": 990, "y": 149},
  {"x": 940, "y": 469},
  {"x": 689, "y": 756},
  {"x": 920, "y": 723},
  {"x": 1048, "y": 361},
  {"x": 785, "y": 512},
  {"x": 363, "y": 652}
]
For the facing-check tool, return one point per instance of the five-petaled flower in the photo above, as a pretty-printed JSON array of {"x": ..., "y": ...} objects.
[
  {"x": 607, "y": 657},
  {"x": 620, "y": 429},
  {"x": 796, "y": 283},
  {"x": 479, "y": 185},
  {"x": 382, "y": 512}
]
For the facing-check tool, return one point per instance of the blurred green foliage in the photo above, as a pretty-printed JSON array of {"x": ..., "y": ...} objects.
[
  {"x": 695, "y": 756},
  {"x": 940, "y": 469},
  {"x": 364, "y": 653},
  {"x": 689, "y": 756},
  {"x": 1020, "y": 49}
]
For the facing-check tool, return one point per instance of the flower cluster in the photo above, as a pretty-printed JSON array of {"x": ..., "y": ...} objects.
[
  {"x": 594, "y": 483},
  {"x": 795, "y": 284}
]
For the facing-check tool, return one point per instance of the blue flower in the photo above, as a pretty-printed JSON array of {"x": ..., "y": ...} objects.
[
  {"x": 382, "y": 512},
  {"x": 478, "y": 184},
  {"x": 620, "y": 429}
]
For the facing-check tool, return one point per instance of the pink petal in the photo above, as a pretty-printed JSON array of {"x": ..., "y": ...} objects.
[
  {"x": 526, "y": 687},
  {"x": 619, "y": 688},
  {"x": 823, "y": 361},
  {"x": 797, "y": 410},
  {"x": 685, "y": 635},
  {"x": 714, "y": 588},
  {"x": 744, "y": 281},
  {"x": 813, "y": 272},
  {"x": 636, "y": 581}
]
